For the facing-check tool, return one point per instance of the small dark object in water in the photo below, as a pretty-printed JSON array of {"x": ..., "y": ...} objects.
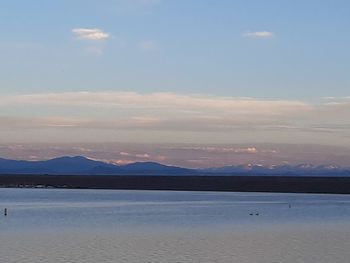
[
  {"x": 5, "y": 212},
  {"x": 290, "y": 206},
  {"x": 251, "y": 214},
  {"x": 257, "y": 214}
]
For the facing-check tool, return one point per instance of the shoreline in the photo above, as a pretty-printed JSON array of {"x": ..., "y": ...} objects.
[{"x": 277, "y": 184}]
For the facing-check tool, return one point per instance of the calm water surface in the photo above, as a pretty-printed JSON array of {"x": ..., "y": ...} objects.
[{"x": 61, "y": 225}]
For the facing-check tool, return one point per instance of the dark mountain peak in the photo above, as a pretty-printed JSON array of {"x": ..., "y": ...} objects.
[
  {"x": 152, "y": 167},
  {"x": 70, "y": 158},
  {"x": 145, "y": 164},
  {"x": 82, "y": 165},
  {"x": 77, "y": 160}
]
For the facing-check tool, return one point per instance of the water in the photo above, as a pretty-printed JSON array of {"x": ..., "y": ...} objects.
[{"x": 61, "y": 225}]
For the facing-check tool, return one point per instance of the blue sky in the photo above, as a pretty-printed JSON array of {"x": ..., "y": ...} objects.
[
  {"x": 166, "y": 71},
  {"x": 198, "y": 47}
]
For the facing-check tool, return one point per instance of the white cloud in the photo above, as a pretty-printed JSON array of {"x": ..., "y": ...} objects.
[
  {"x": 94, "y": 34},
  {"x": 258, "y": 34}
]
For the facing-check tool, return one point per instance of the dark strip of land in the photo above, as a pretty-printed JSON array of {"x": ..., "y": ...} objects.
[{"x": 286, "y": 184}]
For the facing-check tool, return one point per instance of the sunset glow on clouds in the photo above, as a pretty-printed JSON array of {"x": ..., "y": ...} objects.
[
  {"x": 158, "y": 115},
  {"x": 150, "y": 108}
]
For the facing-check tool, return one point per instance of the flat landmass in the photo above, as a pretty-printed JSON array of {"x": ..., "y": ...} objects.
[{"x": 285, "y": 184}]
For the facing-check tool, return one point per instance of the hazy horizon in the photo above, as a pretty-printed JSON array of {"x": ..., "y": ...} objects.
[{"x": 184, "y": 155}]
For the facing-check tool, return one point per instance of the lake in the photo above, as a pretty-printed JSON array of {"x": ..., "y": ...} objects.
[{"x": 66, "y": 225}]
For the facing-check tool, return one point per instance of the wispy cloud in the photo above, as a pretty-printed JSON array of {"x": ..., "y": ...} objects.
[
  {"x": 136, "y": 155},
  {"x": 167, "y": 116},
  {"x": 154, "y": 111},
  {"x": 186, "y": 104},
  {"x": 219, "y": 149},
  {"x": 94, "y": 34},
  {"x": 258, "y": 34}
]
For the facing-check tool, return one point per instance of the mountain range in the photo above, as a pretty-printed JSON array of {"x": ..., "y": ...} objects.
[{"x": 80, "y": 165}]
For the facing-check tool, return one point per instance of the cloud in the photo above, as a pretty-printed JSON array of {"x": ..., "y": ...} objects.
[
  {"x": 191, "y": 105},
  {"x": 172, "y": 117},
  {"x": 94, "y": 34},
  {"x": 220, "y": 150},
  {"x": 122, "y": 162},
  {"x": 258, "y": 34},
  {"x": 158, "y": 111},
  {"x": 157, "y": 114},
  {"x": 136, "y": 155},
  {"x": 14, "y": 122}
]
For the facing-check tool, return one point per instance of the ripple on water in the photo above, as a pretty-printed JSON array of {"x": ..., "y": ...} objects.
[{"x": 280, "y": 245}]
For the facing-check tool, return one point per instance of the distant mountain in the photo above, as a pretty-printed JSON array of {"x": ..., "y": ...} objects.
[
  {"x": 80, "y": 165},
  {"x": 152, "y": 167},
  {"x": 300, "y": 169}
]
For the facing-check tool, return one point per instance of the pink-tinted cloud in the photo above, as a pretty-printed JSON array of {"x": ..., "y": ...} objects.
[{"x": 170, "y": 117}]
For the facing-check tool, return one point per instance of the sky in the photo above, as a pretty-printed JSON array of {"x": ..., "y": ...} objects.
[{"x": 258, "y": 81}]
